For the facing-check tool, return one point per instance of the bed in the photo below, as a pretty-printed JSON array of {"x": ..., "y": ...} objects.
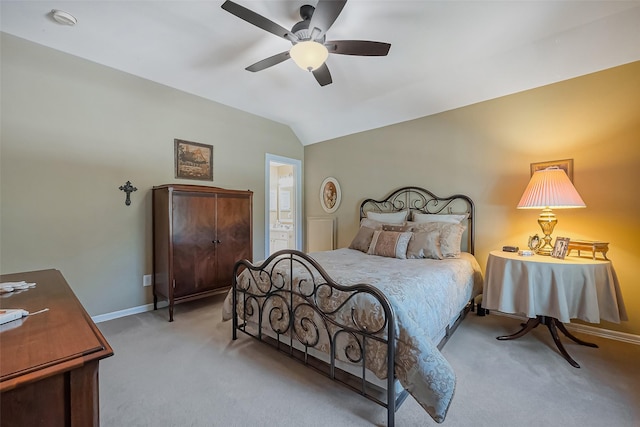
[{"x": 386, "y": 304}]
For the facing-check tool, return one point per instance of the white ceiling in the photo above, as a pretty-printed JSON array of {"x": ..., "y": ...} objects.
[{"x": 444, "y": 54}]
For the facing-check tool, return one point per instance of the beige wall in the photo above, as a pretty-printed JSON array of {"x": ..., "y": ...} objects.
[
  {"x": 74, "y": 131},
  {"x": 484, "y": 151}
]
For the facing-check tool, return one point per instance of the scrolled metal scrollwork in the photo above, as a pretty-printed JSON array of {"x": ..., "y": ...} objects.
[
  {"x": 355, "y": 321},
  {"x": 353, "y": 350},
  {"x": 248, "y": 308},
  {"x": 306, "y": 326},
  {"x": 279, "y": 313}
]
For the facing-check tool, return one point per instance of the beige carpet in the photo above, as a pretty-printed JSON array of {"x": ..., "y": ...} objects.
[{"x": 190, "y": 373}]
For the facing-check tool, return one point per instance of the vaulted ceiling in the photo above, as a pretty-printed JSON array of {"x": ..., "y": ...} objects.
[{"x": 444, "y": 54}]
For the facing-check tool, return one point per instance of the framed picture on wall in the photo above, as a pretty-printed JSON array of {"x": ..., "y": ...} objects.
[
  {"x": 566, "y": 165},
  {"x": 193, "y": 160},
  {"x": 330, "y": 195},
  {"x": 560, "y": 248}
]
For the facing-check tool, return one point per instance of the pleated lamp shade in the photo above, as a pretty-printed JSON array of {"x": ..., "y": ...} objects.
[{"x": 550, "y": 188}]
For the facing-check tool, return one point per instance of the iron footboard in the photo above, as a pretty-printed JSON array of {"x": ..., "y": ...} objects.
[{"x": 291, "y": 303}]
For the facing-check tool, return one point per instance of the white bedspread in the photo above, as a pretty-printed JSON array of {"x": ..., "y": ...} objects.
[{"x": 425, "y": 294}]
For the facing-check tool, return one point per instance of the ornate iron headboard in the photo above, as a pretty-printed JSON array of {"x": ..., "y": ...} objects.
[{"x": 417, "y": 199}]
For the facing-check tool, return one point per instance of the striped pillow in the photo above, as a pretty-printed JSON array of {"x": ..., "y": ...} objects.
[{"x": 391, "y": 244}]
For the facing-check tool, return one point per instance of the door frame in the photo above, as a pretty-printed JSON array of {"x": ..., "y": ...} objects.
[{"x": 297, "y": 174}]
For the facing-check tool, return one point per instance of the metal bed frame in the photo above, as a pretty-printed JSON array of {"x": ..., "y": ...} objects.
[{"x": 296, "y": 316}]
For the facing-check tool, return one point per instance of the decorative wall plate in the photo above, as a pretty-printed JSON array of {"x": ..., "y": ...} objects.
[{"x": 330, "y": 195}]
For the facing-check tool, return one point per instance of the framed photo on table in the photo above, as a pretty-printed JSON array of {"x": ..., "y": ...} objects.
[
  {"x": 560, "y": 248},
  {"x": 330, "y": 195}
]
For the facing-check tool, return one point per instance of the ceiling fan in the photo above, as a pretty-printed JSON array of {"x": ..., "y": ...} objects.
[{"x": 310, "y": 48}]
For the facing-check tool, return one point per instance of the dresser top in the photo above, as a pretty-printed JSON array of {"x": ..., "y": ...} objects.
[{"x": 56, "y": 340}]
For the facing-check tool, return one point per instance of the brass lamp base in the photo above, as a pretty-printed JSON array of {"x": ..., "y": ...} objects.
[{"x": 547, "y": 221}]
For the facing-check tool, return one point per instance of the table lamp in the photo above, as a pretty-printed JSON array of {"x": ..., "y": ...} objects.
[{"x": 549, "y": 188}]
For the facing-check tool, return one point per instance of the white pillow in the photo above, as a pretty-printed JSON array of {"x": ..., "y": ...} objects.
[
  {"x": 389, "y": 217},
  {"x": 366, "y": 222},
  {"x": 450, "y": 218}
]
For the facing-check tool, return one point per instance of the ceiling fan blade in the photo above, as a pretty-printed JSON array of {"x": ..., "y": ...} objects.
[
  {"x": 258, "y": 20},
  {"x": 358, "y": 47},
  {"x": 324, "y": 16},
  {"x": 322, "y": 75},
  {"x": 269, "y": 62}
]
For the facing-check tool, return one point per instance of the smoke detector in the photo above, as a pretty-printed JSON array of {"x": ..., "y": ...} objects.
[{"x": 63, "y": 17}]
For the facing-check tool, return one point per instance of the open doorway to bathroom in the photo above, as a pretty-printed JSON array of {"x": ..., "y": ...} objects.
[{"x": 283, "y": 204}]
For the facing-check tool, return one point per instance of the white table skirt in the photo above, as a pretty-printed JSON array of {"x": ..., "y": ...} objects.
[{"x": 570, "y": 288}]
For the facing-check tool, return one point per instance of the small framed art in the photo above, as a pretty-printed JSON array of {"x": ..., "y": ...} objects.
[
  {"x": 330, "y": 195},
  {"x": 566, "y": 165},
  {"x": 560, "y": 247},
  {"x": 193, "y": 160}
]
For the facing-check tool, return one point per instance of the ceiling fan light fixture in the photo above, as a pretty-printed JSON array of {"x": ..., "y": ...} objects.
[{"x": 309, "y": 55}]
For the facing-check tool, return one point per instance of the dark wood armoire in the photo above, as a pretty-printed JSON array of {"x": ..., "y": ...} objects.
[{"x": 199, "y": 233}]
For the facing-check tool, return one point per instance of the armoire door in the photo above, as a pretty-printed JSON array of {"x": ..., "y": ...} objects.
[
  {"x": 234, "y": 234},
  {"x": 194, "y": 242}
]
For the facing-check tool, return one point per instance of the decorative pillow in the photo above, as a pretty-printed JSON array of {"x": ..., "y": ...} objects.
[
  {"x": 362, "y": 240},
  {"x": 450, "y": 236},
  {"x": 392, "y": 244},
  {"x": 396, "y": 227},
  {"x": 452, "y": 218},
  {"x": 366, "y": 222},
  {"x": 377, "y": 225},
  {"x": 425, "y": 244},
  {"x": 389, "y": 217}
]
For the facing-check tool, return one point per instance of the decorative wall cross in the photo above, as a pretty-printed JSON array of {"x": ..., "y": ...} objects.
[{"x": 128, "y": 188}]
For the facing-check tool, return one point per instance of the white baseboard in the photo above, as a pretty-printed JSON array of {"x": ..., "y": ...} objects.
[
  {"x": 585, "y": 329},
  {"x": 127, "y": 312},
  {"x": 605, "y": 333},
  {"x": 588, "y": 330}
]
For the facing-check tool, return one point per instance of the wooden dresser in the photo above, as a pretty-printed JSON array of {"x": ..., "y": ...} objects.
[
  {"x": 49, "y": 361},
  {"x": 199, "y": 233}
]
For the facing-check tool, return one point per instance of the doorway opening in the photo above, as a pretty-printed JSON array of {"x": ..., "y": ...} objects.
[{"x": 283, "y": 204}]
